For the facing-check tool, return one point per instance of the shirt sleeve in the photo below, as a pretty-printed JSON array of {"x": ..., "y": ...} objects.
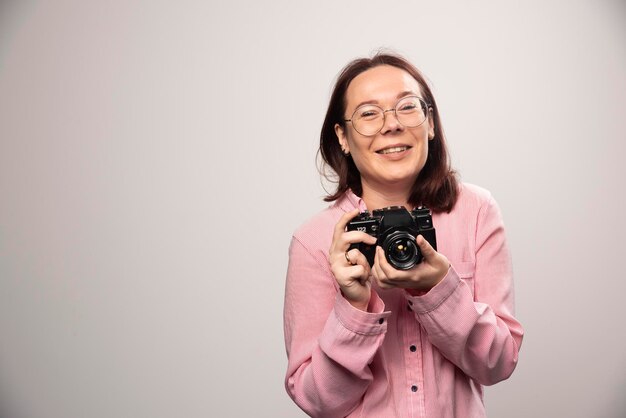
[
  {"x": 329, "y": 343},
  {"x": 478, "y": 333}
]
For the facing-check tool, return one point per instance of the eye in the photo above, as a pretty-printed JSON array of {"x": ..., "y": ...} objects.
[
  {"x": 368, "y": 113},
  {"x": 408, "y": 106}
]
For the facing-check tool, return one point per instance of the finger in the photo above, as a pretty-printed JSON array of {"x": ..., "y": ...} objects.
[
  {"x": 385, "y": 284},
  {"x": 357, "y": 271},
  {"x": 353, "y": 237},
  {"x": 390, "y": 275},
  {"x": 352, "y": 257},
  {"x": 357, "y": 257},
  {"x": 386, "y": 268},
  {"x": 427, "y": 250},
  {"x": 361, "y": 260},
  {"x": 378, "y": 273},
  {"x": 340, "y": 226}
]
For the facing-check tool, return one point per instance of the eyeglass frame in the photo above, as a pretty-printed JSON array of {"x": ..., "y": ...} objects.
[{"x": 395, "y": 113}]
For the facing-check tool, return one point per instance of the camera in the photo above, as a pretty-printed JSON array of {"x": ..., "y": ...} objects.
[{"x": 395, "y": 229}]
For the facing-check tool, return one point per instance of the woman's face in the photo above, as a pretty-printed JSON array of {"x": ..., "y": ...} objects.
[{"x": 395, "y": 155}]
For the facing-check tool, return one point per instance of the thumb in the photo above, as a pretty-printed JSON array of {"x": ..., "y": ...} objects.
[{"x": 427, "y": 250}]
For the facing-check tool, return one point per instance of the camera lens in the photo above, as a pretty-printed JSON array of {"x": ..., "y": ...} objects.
[{"x": 401, "y": 250}]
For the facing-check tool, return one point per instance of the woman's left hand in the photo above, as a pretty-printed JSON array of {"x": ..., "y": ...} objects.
[{"x": 424, "y": 276}]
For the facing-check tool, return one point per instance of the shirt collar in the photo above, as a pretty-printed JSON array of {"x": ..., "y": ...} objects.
[{"x": 350, "y": 201}]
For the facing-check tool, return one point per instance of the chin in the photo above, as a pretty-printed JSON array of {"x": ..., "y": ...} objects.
[
  {"x": 400, "y": 178},
  {"x": 408, "y": 174}
]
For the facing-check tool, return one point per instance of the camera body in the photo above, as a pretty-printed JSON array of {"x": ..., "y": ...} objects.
[{"x": 395, "y": 229}]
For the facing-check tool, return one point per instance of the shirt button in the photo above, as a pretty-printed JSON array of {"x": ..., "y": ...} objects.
[
  {"x": 381, "y": 320},
  {"x": 414, "y": 388},
  {"x": 412, "y": 348}
]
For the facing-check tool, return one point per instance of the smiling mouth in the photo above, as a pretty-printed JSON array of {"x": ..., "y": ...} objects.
[{"x": 392, "y": 150}]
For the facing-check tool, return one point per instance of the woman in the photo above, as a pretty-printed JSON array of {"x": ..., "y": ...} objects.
[{"x": 376, "y": 341}]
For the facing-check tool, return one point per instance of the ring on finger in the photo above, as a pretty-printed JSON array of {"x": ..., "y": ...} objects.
[{"x": 348, "y": 258}]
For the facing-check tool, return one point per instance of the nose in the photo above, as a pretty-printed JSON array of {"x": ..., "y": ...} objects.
[{"x": 390, "y": 122}]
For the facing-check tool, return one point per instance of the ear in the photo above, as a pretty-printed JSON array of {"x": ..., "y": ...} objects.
[
  {"x": 343, "y": 140},
  {"x": 431, "y": 125}
]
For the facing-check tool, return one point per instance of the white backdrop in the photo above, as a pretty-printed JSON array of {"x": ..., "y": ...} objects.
[{"x": 145, "y": 217}]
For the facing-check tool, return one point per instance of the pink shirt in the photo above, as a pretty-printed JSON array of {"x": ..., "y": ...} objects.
[{"x": 410, "y": 356}]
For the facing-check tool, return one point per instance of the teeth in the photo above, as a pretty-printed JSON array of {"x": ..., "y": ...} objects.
[{"x": 392, "y": 150}]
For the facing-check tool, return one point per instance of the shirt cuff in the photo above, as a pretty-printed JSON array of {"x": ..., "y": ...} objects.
[
  {"x": 361, "y": 322},
  {"x": 435, "y": 296}
]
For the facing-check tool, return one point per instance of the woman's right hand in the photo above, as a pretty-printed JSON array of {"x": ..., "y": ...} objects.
[{"x": 352, "y": 276}]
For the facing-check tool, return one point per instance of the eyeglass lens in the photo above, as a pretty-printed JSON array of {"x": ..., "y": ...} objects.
[{"x": 370, "y": 119}]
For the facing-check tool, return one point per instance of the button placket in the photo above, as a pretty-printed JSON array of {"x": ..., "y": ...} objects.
[{"x": 411, "y": 341}]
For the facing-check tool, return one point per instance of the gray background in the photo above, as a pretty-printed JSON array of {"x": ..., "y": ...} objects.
[{"x": 145, "y": 216}]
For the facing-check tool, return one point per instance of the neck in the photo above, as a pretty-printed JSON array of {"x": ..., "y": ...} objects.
[{"x": 390, "y": 195}]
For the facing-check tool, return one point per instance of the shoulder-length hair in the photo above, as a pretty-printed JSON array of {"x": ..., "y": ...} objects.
[{"x": 436, "y": 186}]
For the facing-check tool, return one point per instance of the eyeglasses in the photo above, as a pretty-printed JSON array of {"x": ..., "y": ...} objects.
[{"x": 369, "y": 119}]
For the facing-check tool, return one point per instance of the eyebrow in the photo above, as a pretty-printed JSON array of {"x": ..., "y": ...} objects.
[{"x": 398, "y": 97}]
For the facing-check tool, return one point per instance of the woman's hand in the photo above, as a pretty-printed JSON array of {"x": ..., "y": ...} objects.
[
  {"x": 350, "y": 268},
  {"x": 423, "y": 277}
]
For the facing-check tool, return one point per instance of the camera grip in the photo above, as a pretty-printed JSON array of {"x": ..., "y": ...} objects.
[{"x": 369, "y": 251}]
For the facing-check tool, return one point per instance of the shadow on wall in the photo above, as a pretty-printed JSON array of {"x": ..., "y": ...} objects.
[
  {"x": 617, "y": 408},
  {"x": 12, "y": 14}
]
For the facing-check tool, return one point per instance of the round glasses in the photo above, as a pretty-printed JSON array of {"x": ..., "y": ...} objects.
[{"x": 369, "y": 119}]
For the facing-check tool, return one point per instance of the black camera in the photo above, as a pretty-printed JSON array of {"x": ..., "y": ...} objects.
[{"x": 395, "y": 229}]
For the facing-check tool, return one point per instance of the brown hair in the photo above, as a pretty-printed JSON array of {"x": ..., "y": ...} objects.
[{"x": 436, "y": 186}]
